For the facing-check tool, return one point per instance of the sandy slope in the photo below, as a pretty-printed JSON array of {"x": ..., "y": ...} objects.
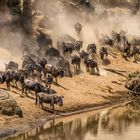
[{"x": 79, "y": 92}]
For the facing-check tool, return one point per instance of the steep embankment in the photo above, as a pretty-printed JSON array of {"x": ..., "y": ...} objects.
[{"x": 80, "y": 92}]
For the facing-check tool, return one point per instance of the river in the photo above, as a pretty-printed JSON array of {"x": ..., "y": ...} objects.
[{"x": 118, "y": 123}]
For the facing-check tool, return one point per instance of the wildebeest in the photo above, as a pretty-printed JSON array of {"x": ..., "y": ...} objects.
[
  {"x": 78, "y": 45},
  {"x": 135, "y": 42},
  {"x": 54, "y": 71},
  {"x": 30, "y": 65},
  {"x": 135, "y": 53},
  {"x": 8, "y": 77},
  {"x": 103, "y": 52},
  {"x": 91, "y": 66},
  {"x": 52, "y": 52},
  {"x": 78, "y": 27},
  {"x": 106, "y": 40},
  {"x": 119, "y": 37},
  {"x": 43, "y": 39},
  {"x": 43, "y": 62},
  {"x": 12, "y": 66},
  {"x": 83, "y": 55},
  {"x": 76, "y": 62},
  {"x": 91, "y": 49},
  {"x": 126, "y": 49},
  {"x": 65, "y": 65},
  {"x": 33, "y": 86},
  {"x": 49, "y": 99},
  {"x": 49, "y": 80},
  {"x": 27, "y": 60},
  {"x": 44, "y": 42},
  {"x": 66, "y": 48}
]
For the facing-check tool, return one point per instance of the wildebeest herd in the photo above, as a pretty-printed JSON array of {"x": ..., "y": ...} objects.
[{"x": 39, "y": 71}]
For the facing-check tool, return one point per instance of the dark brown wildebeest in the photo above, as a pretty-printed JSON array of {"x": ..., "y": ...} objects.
[
  {"x": 126, "y": 50},
  {"x": 78, "y": 27},
  {"x": 65, "y": 65},
  {"x": 54, "y": 71},
  {"x": 49, "y": 80},
  {"x": 52, "y": 52},
  {"x": 33, "y": 86},
  {"x": 135, "y": 53},
  {"x": 106, "y": 40},
  {"x": 83, "y": 55},
  {"x": 76, "y": 62},
  {"x": 65, "y": 48},
  {"x": 78, "y": 45},
  {"x": 8, "y": 77},
  {"x": 103, "y": 52},
  {"x": 92, "y": 48},
  {"x": 91, "y": 66},
  {"x": 12, "y": 66},
  {"x": 49, "y": 99}
]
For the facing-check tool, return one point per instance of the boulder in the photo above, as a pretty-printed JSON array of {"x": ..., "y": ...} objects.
[
  {"x": 8, "y": 106},
  {"x": 133, "y": 82}
]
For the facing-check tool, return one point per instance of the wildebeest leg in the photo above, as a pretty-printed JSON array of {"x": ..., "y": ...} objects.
[
  {"x": 8, "y": 86},
  {"x": 53, "y": 109},
  {"x": 44, "y": 73},
  {"x": 78, "y": 68},
  {"x": 97, "y": 69},
  {"x": 52, "y": 105},
  {"x": 36, "y": 99},
  {"x": 23, "y": 88},
  {"x": 87, "y": 68},
  {"x": 106, "y": 55},
  {"x": 49, "y": 85},
  {"x": 41, "y": 103},
  {"x": 102, "y": 56},
  {"x": 16, "y": 85},
  {"x": 69, "y": 73},
  {"x": 92, "y": 71},
  {"x": 56, "y": 80},
  {"x": 74, "y": 69}
]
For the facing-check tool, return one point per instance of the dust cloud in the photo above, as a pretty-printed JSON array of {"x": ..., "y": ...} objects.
[
  {"x": 60, "y": 19},
  {"x": 103, "y": 21}
]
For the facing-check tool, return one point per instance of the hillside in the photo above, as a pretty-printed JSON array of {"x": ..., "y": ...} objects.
[{"x": 57, "y": 19}]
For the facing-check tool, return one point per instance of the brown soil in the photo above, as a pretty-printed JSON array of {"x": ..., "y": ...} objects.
[{"x": 80, "y": 92}]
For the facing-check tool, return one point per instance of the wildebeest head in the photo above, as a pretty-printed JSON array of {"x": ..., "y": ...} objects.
[
  {"x": 59, "y": 100},
  {"x": 61, "y": 72},
  {"x": 43, "y": 61},
  {"x": 75, "y": 60}
]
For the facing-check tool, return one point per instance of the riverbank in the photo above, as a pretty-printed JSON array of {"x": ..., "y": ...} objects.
[
  {"x": 81, "y": 93},
  {"x": 6, "y": 133}
]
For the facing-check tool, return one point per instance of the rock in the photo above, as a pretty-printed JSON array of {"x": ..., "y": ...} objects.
[
  {"x": 8, "y": 106},
  {"x": 18, "y": 111},
  {"x": 133, "y": 82},
  {"x": 8, "y": 111}
]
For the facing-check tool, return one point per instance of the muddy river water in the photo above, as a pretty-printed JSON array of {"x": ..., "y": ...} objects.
[{"x": 119, "y": 123}]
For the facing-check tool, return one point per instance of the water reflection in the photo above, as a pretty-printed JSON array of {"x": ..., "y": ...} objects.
[{"x": 121, "y": 123}]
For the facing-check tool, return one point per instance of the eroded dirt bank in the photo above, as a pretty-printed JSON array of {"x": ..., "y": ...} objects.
[{"x": 81, "y": 93}]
